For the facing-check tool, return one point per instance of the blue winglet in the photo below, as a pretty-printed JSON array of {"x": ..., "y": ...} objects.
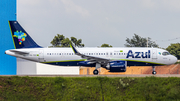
[{"x": 74, "y": 49}]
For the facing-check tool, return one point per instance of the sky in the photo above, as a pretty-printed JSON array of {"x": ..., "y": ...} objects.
[{"x": 101, "y": 21}]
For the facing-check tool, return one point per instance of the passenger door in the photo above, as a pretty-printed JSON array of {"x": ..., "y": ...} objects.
[
  {"x": 41, "y": 55},
  {"x": 154, "y": 54}
]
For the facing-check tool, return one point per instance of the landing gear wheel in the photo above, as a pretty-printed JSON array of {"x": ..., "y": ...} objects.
[
  {"x": 95, "y": 72},
  {"x": 154, "y": 72}
]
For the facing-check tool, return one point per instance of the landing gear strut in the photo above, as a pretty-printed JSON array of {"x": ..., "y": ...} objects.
[
  {"x": 95, "y": 72},
  {"x": 154, "y": 72}
]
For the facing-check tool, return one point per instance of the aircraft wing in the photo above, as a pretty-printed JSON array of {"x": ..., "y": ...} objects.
[
  {"x": 92, "y": 59},
  {"x": 19, "y": 52}
]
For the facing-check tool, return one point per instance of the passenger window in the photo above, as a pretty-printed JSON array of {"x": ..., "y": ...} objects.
[{"x": 114, "y": 53}]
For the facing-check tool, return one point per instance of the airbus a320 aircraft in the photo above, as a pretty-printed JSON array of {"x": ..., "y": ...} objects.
[{"x": 113, "y": 59}]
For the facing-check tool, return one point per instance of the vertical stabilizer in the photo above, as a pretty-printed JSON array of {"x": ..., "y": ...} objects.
[{"x": 20, "y": 37}]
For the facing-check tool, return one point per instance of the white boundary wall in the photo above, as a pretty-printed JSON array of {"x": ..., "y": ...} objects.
[{"x": 25, "y": 67}]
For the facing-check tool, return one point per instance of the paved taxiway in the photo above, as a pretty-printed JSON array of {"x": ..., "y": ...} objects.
[{"x": 132, "y": 75}]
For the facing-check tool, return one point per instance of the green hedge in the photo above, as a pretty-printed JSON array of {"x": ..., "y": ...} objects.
[{"x": 89, "y": 89}]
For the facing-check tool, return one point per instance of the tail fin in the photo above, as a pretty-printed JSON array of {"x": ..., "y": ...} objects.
[{"x": 20, "y": 37}]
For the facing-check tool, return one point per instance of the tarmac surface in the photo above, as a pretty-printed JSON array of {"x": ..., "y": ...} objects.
[
  {"x": 133, "y": 71},
  {"x": 120, "y": 75}
]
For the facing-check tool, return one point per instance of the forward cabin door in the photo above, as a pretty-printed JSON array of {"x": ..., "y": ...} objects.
[
  {"x": 154, "y": 54},
  {"x": 41, "y": 55}
]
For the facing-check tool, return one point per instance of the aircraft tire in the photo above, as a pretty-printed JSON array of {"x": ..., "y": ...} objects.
[
  {"x": 154, "y": 72},
  {"x": 95, "y": 72}
]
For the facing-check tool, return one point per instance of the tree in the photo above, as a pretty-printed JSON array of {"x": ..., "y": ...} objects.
[
  {"x": 106, "y": 45},
  {"x": 66, "y": 42},
  {"x": 174, "y": 49},
  {"x": 74, "y": 40},
  {"x": 61, "y": 41},
  {"x": 138, "y": 41},
  {"x": 77, "y": 43},
  {"x": 57, "y": 40}
]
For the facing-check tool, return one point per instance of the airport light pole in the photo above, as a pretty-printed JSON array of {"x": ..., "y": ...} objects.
[{"x": 147, "y": 41}]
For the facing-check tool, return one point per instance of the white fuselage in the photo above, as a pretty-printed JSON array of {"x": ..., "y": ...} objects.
[{"x": 56, "y": 55}]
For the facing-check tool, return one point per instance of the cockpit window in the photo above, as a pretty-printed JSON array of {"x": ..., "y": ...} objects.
[{"x": 165, "y": 53}]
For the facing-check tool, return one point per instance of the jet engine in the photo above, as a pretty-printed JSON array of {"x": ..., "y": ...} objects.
[{"x": 117, "y": 66}]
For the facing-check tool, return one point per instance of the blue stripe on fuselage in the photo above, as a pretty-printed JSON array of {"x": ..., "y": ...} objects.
[{"x": 75, "y": 63}]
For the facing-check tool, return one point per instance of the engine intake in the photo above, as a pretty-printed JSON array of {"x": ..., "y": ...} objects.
[{"x": 117, "y": 66}]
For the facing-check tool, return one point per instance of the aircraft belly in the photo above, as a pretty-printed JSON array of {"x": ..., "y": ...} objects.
[
  {"x": 63, "y": 60},
  {"x": 142, "y": 62}
]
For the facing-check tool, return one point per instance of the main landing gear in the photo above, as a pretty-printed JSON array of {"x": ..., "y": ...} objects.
[
  {"x": 154, "y": 72},
  {"x": 96, "y": 72}
]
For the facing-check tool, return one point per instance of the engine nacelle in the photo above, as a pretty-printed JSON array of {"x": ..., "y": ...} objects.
[
  {"x": 117, "y": 66},
  {"x": 86, "y": 63}
]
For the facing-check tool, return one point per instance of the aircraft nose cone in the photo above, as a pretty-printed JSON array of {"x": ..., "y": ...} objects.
[{"x": 175, "y": 59}]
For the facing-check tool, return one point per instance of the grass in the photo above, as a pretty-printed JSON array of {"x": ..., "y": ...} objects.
[{"x": 89, "y": 89}]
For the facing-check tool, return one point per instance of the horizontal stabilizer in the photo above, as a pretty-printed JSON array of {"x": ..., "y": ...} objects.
[{"x": 19, "y": 52}]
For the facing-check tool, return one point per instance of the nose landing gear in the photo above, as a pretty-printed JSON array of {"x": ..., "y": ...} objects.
[
  {"x": 154, "y": 72},
  {"x": 95, "y": 72}
]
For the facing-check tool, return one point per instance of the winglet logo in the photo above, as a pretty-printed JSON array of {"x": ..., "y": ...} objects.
[{"x": 20, "y": 35}]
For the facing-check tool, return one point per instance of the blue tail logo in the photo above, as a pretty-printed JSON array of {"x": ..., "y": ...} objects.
[{"x": 21, "y": 36}]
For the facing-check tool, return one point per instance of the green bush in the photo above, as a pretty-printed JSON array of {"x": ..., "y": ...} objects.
[{"x": 89, "y": 88}]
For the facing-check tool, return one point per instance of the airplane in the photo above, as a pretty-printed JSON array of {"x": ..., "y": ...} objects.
[{"x": 113, "y": 59}]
